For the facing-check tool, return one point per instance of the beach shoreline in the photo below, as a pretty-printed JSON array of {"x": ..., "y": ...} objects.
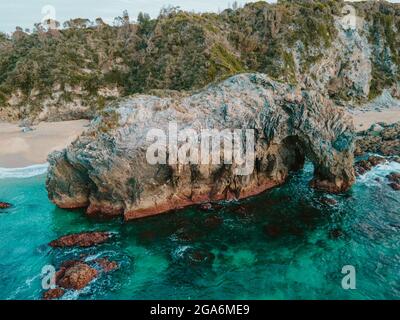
[
  {"x": 364, "y": 119},
  {"x": 20, "y": 149}
]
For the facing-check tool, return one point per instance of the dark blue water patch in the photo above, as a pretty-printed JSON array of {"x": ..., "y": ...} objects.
[{"x": 287, "y": 243}]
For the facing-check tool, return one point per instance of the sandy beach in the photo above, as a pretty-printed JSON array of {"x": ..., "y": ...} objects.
[
  {"x": 363, "y": 120},
  {"x": 19, "y": 149}
]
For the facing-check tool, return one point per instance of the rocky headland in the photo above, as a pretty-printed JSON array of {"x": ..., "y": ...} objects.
[{"x": 106, "y": 171}]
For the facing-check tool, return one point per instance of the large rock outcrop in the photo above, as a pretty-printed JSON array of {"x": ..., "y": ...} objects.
[{"x": 106, "y": 170}]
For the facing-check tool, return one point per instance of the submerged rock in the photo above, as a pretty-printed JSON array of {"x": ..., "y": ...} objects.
[
  {"x": 5, "y": 205},
  {"x": 210, "y": 206},
  {"x": 107, "y": 265},
  {"x": 107, "y": 172},
  {"x": 198, "y": 256},
  {"x": 213, "y": 221},
  {"x": 206, "y": 207},
  {"x": 85, "y": 239},
  {"x": 272, "y": 230},
  {"x": 335, "y": 233},
  {"x": 394, "y": 180},
  {"x": 394, "y": 177},
  {"x": 395, "y": 186},
  {"x": 328, "y": 201},
  {"x": 241, "y": 211}
]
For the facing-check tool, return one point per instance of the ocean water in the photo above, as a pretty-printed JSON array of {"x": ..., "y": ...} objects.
[{"x": 284, "y": 244}]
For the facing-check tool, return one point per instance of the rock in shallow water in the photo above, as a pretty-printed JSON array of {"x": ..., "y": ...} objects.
[
  {"x": 363, "y": 166},
  {"x": 5, "y": 205},
  {"x": 205, "y": 207},
  {"x": 53, "y": 294},
  {"x": 328, "y": 201},
  {"x": 77, "y": 277},
  {"x": 106, "y": 265},
  {"x": 107, "y": 172},
  {"x": 200, "y": 256},
  {"x": 213, "y": 221},
  {"x": 272, "y": 230},
  {"x": 86, "y": 239},
  {"x": 335, "y": 233},
  {"x": 394, "y": 177},
  {"x": 394, "y": 180},
  {"x": 395, "y": 186}
]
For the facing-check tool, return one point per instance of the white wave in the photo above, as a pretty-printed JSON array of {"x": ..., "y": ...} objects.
[
  {"x": 26, "y": 172},
  {"x": 180, "y": 251},
  {"x": 379, "y": 172}
]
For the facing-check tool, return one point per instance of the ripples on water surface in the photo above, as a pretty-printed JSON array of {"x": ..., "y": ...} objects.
[{"x": 284, "y": 244}]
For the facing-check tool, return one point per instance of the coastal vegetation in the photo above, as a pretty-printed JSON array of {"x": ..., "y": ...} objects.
[{"x": 84, "y": 64}]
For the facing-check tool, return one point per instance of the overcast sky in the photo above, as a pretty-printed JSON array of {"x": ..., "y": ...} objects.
[{"x": 25, "y": 13}]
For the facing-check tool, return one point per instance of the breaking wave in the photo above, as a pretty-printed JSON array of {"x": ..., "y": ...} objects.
[
  {"x": 26, "y": 172},
  {"x": 379, "y": 172}
]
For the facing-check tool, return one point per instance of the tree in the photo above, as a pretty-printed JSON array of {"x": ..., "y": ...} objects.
[
  {"x": 3, "y": 37},
  {"x": 144, "y": 22},
  {"x": 18, "y": 33},
  {"x": 168, "y": 10},
  {"x": 125, "y": 17},
  {"x": 79, "y": 23},
  {"x": 99, "y": 22},
  {"x": 51, "y": 24},
  {"x": 143, "y": 18},
  {"x": 118, "y": 21}
]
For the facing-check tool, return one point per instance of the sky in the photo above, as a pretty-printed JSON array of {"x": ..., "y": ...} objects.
[{"x": 25, "y": 13}]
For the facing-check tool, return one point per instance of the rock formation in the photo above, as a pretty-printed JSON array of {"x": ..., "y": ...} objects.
[
  {"x": 106, "y": 265},
  {"x": 52, "y": 294},
  {"x": 76, "y": 276},
  {"x": 380, "y": 138},
  {"x": 4, "y": 205},
  {"x": 365, "y": 165},
  {"x": 86, "y": 239},
  {"x": 394, "y": 179},
  {"x": 106, "y": 169}
]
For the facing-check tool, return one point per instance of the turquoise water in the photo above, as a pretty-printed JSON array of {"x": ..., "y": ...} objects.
[{"x": 283, "y": 244}]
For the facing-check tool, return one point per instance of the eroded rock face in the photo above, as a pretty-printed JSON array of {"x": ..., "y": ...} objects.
[{"x": 106, "y": 169}]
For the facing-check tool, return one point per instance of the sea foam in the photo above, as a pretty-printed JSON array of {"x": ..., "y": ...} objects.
[
  {"x": 379, "y": 172},
  {"x": 26, "y": 172}
]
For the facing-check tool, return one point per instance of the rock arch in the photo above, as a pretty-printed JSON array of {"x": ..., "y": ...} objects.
[{"x": 289, "y": 124}]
